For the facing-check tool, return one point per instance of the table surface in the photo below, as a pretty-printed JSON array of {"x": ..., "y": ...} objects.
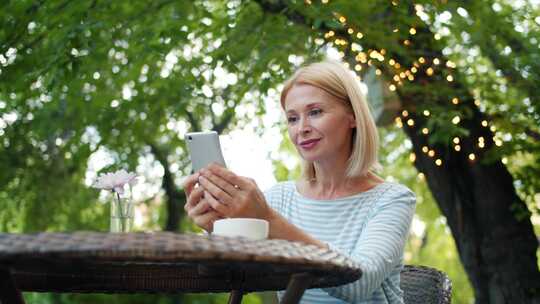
[{"x": 165, "y": 262}]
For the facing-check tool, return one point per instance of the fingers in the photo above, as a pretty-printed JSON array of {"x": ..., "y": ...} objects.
[
  {"x": 202, "y": 207},
  {"x": 216, "y": 191},
  {"x": 223, "y": 184},
  {"x": 193, "y": 199},
  {"x": 216, "y": 205},
  {"x": 206, "y": 220},
  {"x": 228, "y": 176},
  {"x": 190, "y": 182}
]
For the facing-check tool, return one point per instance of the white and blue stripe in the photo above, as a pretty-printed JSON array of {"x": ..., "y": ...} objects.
[{"x": 370, "y": 227}]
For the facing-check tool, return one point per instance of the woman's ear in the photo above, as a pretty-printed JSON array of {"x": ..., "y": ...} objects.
[{"x": 352, "y": 121}]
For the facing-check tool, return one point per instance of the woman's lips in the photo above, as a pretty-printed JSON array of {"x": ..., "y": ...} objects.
[{"x": 308, "y": 144}]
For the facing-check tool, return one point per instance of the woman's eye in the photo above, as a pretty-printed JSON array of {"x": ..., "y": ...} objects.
[
  {"x": 315, "y": 112},
  {"x": 291, "y": 119}
]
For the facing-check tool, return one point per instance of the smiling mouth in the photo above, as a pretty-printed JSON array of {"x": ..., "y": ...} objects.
[{"x": 308, "y": 144}]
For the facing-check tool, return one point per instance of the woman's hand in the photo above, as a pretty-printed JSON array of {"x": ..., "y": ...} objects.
[
  {"x": 197, "y": 206},
  {"x": 231, "y": 195}
]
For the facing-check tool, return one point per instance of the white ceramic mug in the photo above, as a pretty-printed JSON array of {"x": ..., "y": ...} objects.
[{"x": 246, "y": 227}]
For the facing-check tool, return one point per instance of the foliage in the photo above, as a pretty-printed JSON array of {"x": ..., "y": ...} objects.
[{"x": 82, "y": 78}]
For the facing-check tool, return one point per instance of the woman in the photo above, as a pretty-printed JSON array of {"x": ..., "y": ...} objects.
[{"x": 339, "y": 203}]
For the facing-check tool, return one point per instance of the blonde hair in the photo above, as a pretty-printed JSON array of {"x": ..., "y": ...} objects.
[{"x": 335, "y": 79}]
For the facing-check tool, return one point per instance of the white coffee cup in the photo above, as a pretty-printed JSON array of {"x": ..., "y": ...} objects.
[{"x": 255, "y": 229}]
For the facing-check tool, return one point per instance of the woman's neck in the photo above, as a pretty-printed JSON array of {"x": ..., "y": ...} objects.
[{"x": 331, "y": 181}]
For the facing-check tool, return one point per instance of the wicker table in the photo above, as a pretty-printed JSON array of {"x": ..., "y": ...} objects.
[{"x": 91, "y": 262}]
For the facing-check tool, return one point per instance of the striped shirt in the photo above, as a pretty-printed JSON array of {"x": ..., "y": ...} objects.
[{"x": 370, "y": 227}]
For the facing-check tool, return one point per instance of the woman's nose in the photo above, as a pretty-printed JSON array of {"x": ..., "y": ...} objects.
[{"x": 305, "y": 125}]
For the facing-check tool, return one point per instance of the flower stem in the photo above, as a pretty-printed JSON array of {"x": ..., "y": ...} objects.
[{"x": 122, "y": 219}]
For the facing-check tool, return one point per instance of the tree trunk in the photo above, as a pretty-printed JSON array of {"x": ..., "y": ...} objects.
[
  {"x": 175, "y": 199},
  {"x": 489, "y": 222}
]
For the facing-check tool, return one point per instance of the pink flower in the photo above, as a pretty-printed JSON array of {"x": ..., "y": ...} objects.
[{"x": 115, "y": 181}]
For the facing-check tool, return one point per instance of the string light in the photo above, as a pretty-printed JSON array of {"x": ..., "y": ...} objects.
[
  {"x": 399, "y": 123},
  {"x": 412, "y": 157},
  {"x": 324, "y": 1},
  {"x": 421, "y": 176},
  {"x": 405, "y": 113},
  {"x": 362, "y": 57},
  {"x": 504, "y": 160}
]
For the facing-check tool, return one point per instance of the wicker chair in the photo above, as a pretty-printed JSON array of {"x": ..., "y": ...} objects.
[{"x": 425, "y": 285}]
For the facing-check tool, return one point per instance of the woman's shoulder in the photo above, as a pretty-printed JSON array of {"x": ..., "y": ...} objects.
[{"x": 391, "y": 191}]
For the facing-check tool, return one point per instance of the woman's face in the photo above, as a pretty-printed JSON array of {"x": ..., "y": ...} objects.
[{"x": 319, "y": 124}]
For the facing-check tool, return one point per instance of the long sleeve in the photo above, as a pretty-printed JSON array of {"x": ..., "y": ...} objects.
[{"x": 379, "y": 249}]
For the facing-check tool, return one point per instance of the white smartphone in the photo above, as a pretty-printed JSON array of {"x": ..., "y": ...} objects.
[{"x": 204, "y": 148}]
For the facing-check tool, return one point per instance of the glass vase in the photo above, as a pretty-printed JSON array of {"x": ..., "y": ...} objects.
[{"x": 122, "y": 212}]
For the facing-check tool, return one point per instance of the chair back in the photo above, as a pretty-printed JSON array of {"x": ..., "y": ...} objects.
[{"x": 421, "y": 284}]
